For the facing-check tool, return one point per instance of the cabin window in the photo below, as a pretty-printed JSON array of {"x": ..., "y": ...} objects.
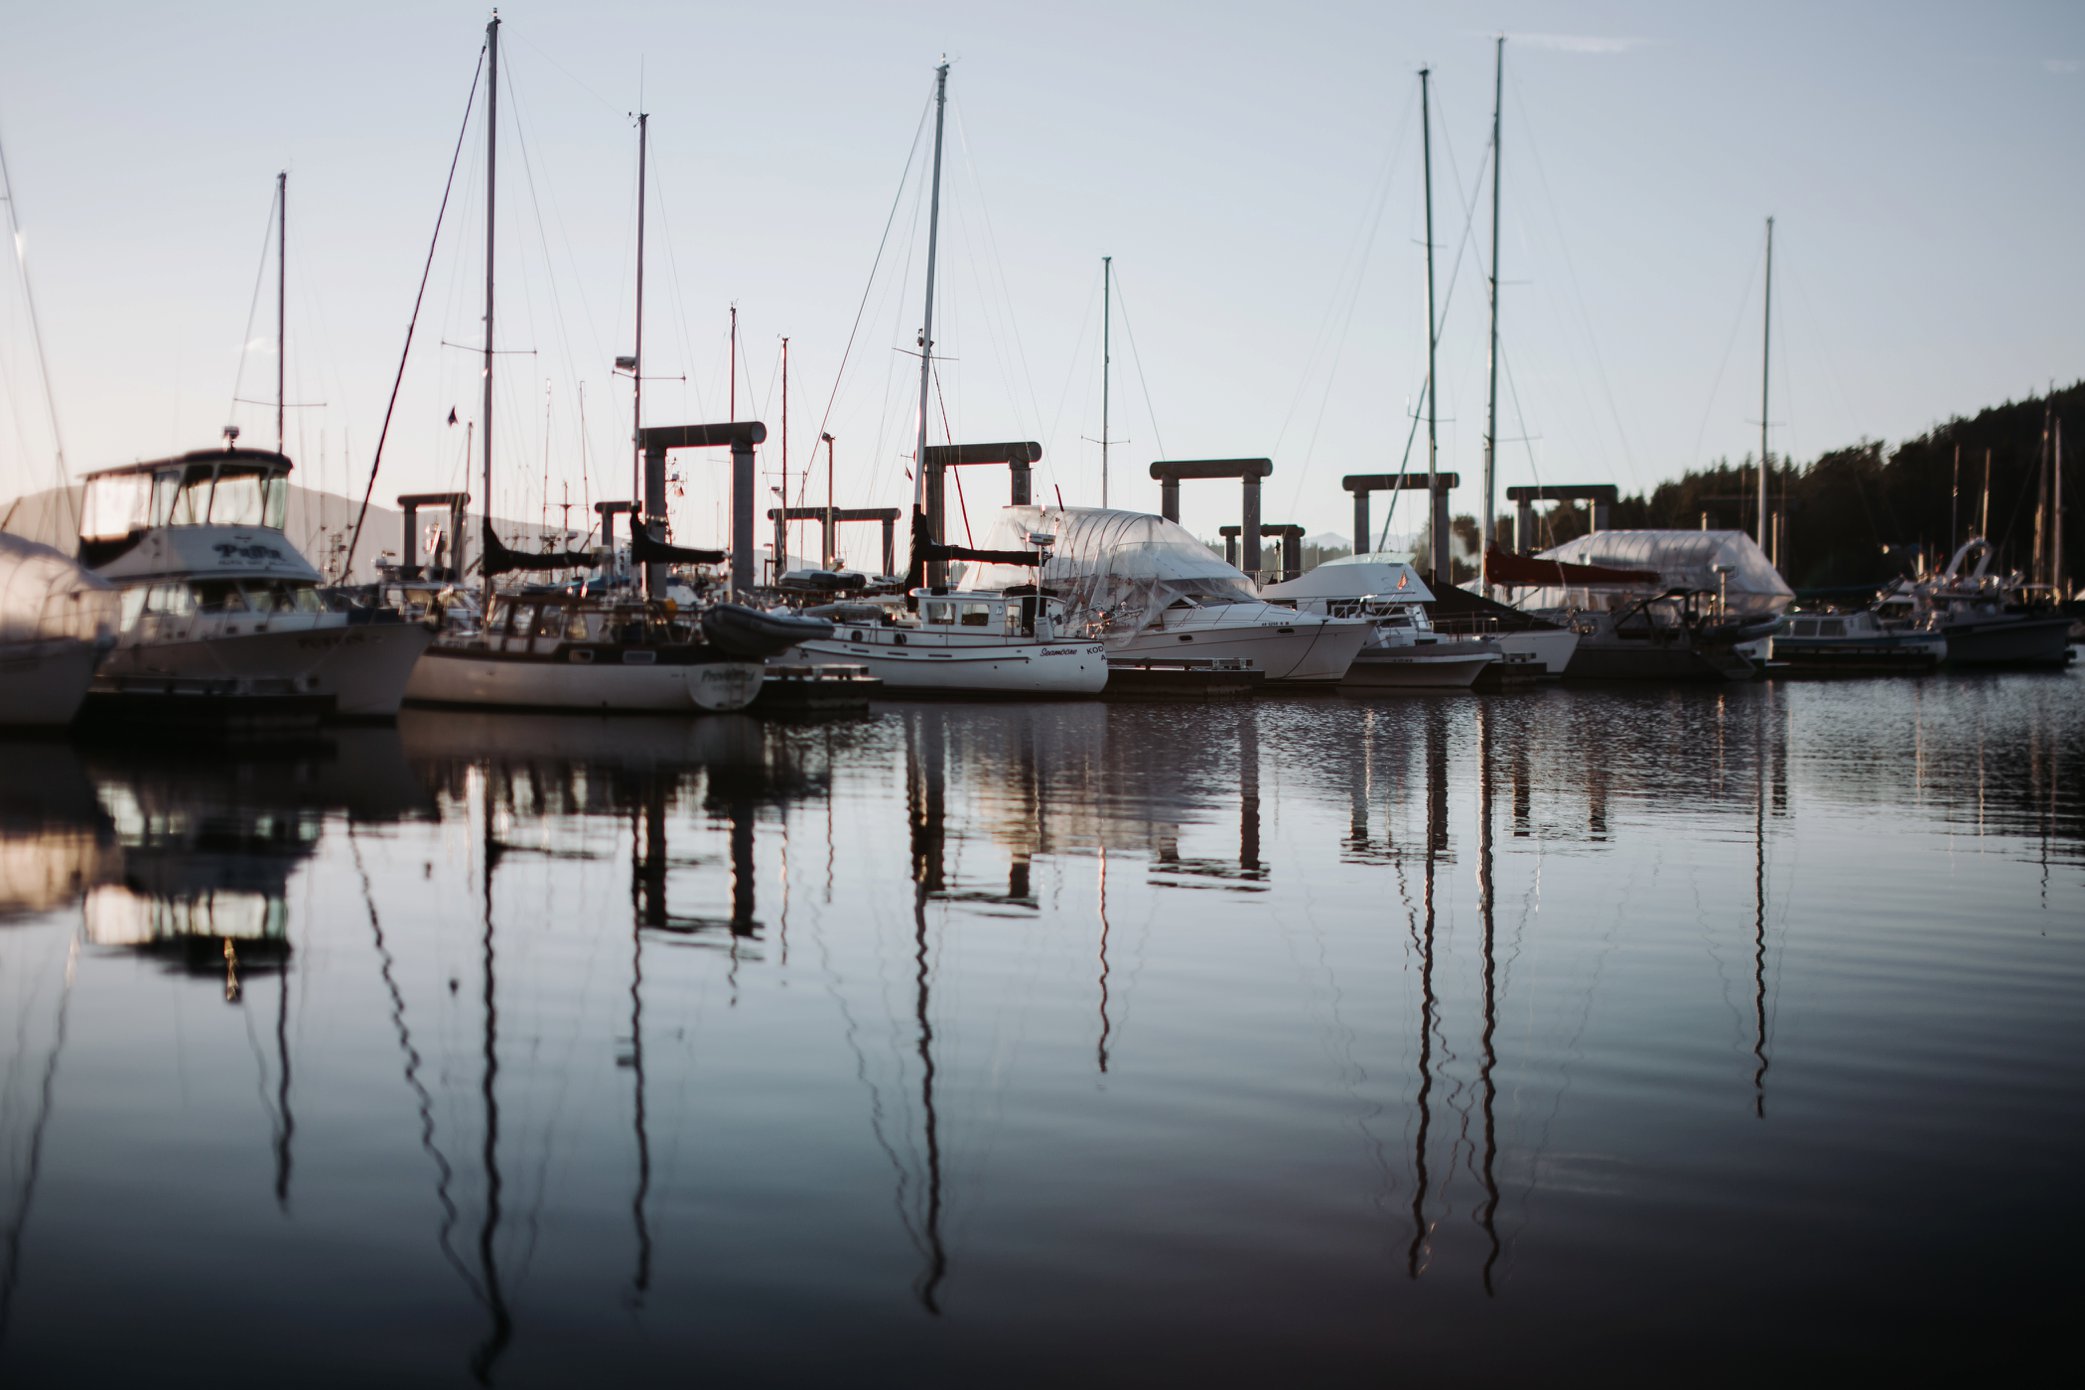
[
  {"x": 219, "y": 596},
  {"x": 174, "y": 600},
  {"x": 938, "y": 612},
  {"x": 977, "y": 615},
  {"x": 1831, "y": 627},
  {"x": 1805, "y": 627},
  {"x": 115, "y": 506},
  {"x": 237, "y": 500},
  {"x": 575, "y": 627},
  {"x": 550, "y": 621}
]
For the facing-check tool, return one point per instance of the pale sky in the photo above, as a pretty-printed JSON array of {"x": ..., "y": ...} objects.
[{"x": 1253, "y": 169}]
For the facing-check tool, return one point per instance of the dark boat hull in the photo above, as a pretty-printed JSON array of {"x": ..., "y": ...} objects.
[{"x": 2010, "y": 640}]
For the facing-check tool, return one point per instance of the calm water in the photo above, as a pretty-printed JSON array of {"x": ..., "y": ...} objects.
[{"x": 1315, "y": 1041}]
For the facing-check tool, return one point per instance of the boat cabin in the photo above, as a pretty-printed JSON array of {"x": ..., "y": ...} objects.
[
  {"x": 245, "y": 488},
  {"x": 1022, "y": 612}
]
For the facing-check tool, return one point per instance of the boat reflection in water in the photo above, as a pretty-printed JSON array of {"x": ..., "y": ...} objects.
[{"x": 1526, "y": 1024}]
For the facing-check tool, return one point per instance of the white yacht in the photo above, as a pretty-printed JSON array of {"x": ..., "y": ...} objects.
[
  {"x": 963, "y": 642},
  {"x": 1152, "y": 592},
  {"x": 56, "y": 622},
  {"x": 214, "y": 595}
]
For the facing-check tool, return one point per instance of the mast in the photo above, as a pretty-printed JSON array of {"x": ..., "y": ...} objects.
[
  {"x": 734, "y": 361},
  {"x": 2056, "y": 552},
  {"x": 1437, "y": 549},
  {"x": 1491, "y": 408},
  {"x": 926, "y": 332},
  {"x": 1984, "y": 527},
  {"x": 2041, "y": 503},
  {"x": 1954, "y": 503},
  {"x": 1107, "y": 277},
  {"x": 832, "y": 551},
  {"x": 1765, "y": 358},
  {"x": 492, "y": 148},
  {"x": 637, "y": 361},
  {"x": 282, "y": 248},
  {"x": 780, "y": 559}
]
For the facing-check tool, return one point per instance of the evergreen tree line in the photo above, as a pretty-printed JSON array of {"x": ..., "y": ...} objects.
[{"x": 1864, "y": 514}]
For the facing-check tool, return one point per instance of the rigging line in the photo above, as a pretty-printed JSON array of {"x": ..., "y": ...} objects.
[
  {"x": 1737, "y": 325},
  {"x": 890, "y": 220},
  {"x": 1138, "y": 358},
  {"x": 657, "y": 176},
  {"x": 347, "y": 562},
  {"x": 1578, "y": 295},
  {"x": 43, "y": 365},
  {"x": 950, "y": 434},
  {"x": 260, "y": 274},
  {"x": 11, "y": 1278},
  {"x": 1078, "y": 353},
  {"x": 998, "y": 262},
  {"x": 1380, "y": 197},
  {"x": 919, "y": 202}
]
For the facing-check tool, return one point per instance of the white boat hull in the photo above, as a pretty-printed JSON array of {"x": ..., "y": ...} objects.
[
  {"x": 921, "y": 666},
  {"x": 362, "y": 667},
  {"x": 474, "y": 676},
  {"x": 1293, "y": 647},
  {"x": 1550, "y": 650},
  {"x": 42, "y": 683}
]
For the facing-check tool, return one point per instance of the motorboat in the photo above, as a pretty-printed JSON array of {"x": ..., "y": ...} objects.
[
  {"x": 1403, "y": 650},
  {"x": 1850, "y": 643},
  {"x": 1981, "y": 615},
  {"x": 216, "y": 601},
  {"x": 57, "y": 622},
  {"x": 1151, "y": 592}
]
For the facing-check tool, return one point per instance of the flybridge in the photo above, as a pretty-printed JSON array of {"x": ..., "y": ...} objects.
[{"x": 209, "y": 487}]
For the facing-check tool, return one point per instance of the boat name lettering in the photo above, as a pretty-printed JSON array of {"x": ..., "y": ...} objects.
[{"x": 228, "y": 551}]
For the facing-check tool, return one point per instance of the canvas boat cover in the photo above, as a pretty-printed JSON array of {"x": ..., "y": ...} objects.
[
  {"x": 1376, "y": 575},
  {"x": 1681, "y": 560},
  {"x": 1124, "y": 567},
  {"x": 45, "y": 596}
]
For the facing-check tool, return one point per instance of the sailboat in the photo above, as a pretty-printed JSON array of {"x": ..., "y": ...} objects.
[
  {"x": 1008, "y": 641},
  {"x": 555, "y": 649},
  {"x": 56, "y": 619}
]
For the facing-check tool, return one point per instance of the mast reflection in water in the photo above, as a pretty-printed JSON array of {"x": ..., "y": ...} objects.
[{"x": 1052, "y": 1042}]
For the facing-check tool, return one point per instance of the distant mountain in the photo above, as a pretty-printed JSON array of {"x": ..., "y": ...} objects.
[{"x": 317, "y": 523}]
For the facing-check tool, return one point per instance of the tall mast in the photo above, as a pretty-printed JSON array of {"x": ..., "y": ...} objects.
[
  {"x": 282, "y": 246},
  {"x": 1954, "y": 503},
  {"x": 1438, "y": 544},
  {"x": 926, "y": 332},
  {"x": 1107, "y": 277},
  {"x": 734, "y": 362},
  {"x": 1491, "y": 409},
  {"x": 637, "y": 361},
  {"x": 2056, "y": 553},
  {"x": 2039, "y": 572},
  {"x": 1765, "y": 359},
  {"x": 1983, "y": 528},
  {"x": 779, "y": 559},
  {"x": 492, "y": 149}
]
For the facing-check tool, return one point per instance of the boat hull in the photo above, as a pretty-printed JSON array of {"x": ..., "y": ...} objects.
[
  {"x": 474, "y": 676},
  {"x": 1414, "y": 668},
  {"x": 920, "y": 667},
  {"x": 1892, "y": 653},
  {"x": 362, "y": 668},
  {"x": 43, "y": 683},
  {"x": 1300, "y": 649},
  {"x": 2009, "y": 641},
  {"x": 1630, "y": 659},
  {"x": 1550, "y": 649}
]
